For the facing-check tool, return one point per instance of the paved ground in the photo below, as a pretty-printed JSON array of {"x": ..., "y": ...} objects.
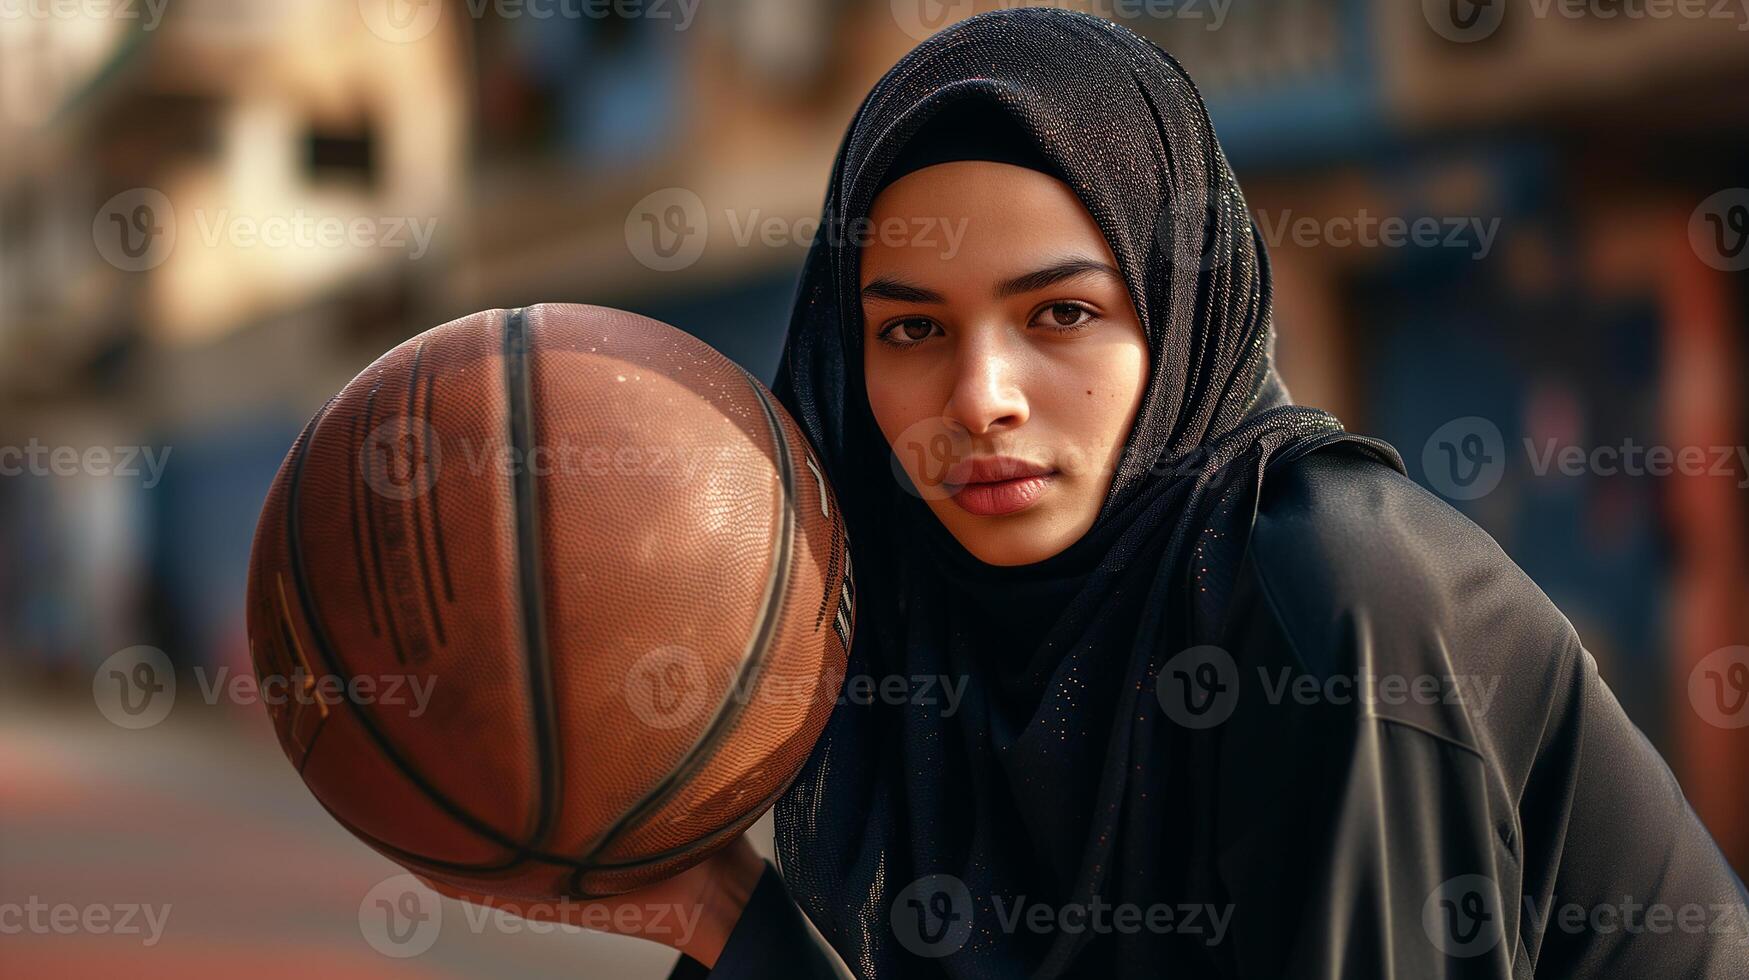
[{"x": 201, "y": 823}]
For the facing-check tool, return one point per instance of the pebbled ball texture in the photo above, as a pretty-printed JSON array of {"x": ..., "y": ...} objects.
[{"x": 557, "y": 601}]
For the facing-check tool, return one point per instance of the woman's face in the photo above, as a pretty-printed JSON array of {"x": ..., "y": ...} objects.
[{"x": 1003, "y": 357}]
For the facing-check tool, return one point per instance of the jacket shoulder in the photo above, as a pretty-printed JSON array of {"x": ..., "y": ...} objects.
[{"x": 1360, "y": 574}]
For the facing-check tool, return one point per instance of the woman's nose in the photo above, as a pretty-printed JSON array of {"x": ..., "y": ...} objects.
[{"x": 986, "y": 394}]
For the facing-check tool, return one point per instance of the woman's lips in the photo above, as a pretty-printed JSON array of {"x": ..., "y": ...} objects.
[{"x": 1002, "y": 496}]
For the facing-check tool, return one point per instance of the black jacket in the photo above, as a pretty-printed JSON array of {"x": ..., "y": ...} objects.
[{"x": 1420, "y": 774}]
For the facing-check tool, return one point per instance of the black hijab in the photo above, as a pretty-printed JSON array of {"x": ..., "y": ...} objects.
[{"x": 1054, "y": 777}]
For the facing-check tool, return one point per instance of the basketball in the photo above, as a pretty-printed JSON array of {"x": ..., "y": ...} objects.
[{"x": 556, "y": 602}]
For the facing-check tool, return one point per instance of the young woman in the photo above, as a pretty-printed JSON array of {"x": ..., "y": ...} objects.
[
  {"x": 1174, "y": 536},
  {"x": 1198, "y": 683}
]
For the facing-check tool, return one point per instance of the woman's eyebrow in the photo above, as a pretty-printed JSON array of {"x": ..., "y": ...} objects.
[
  {"x": 894, "y": 288},
  {"x": 900, "y": 290},
  {"x": 1053, "y": 274}
]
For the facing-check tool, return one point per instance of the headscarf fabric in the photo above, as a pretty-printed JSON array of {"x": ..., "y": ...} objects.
[{"x": 918, "y": 831}]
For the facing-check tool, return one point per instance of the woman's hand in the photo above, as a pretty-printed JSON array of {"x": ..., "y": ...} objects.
[{"x": 693, "y": 912}]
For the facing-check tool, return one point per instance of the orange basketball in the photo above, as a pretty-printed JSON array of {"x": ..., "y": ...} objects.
[{"x": 555, "y": 600}]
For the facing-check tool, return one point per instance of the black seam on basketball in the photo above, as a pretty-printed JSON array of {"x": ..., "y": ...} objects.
[
  {"x": 771, "y": 609},
  {"x": 281, "y": 614},
  {"x": 518, "y": 857},
  {"x": 355, "y": 486},
  {"x": 413, "y": 501},
  {"x": 701, "y": 844},
  {"x": 436, "y": 478},
  {"x": 530, "y": 590},
  {"x": 370, "y": 527},
  {"x": 319, "y": 639},
  {"x": 403, "y": 856},
  {"x": 829, "y": 592}
]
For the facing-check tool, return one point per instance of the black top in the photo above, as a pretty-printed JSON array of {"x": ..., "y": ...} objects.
[{"x": 1487, "y": 811}]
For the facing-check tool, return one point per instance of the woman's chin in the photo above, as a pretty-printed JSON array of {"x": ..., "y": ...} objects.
[{"x": 1022, "y": 537}]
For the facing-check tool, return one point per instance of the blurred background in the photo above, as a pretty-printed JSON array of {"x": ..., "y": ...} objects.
[{"x": 1513, "y": 242}]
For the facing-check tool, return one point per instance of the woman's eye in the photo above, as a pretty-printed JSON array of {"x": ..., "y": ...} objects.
[
  {"x": 1063, "y": 316},
  {"x": 910, "y": 331}
]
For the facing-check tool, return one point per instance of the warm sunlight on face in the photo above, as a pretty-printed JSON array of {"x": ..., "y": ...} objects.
[{"x": 1004, "y": 367}]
